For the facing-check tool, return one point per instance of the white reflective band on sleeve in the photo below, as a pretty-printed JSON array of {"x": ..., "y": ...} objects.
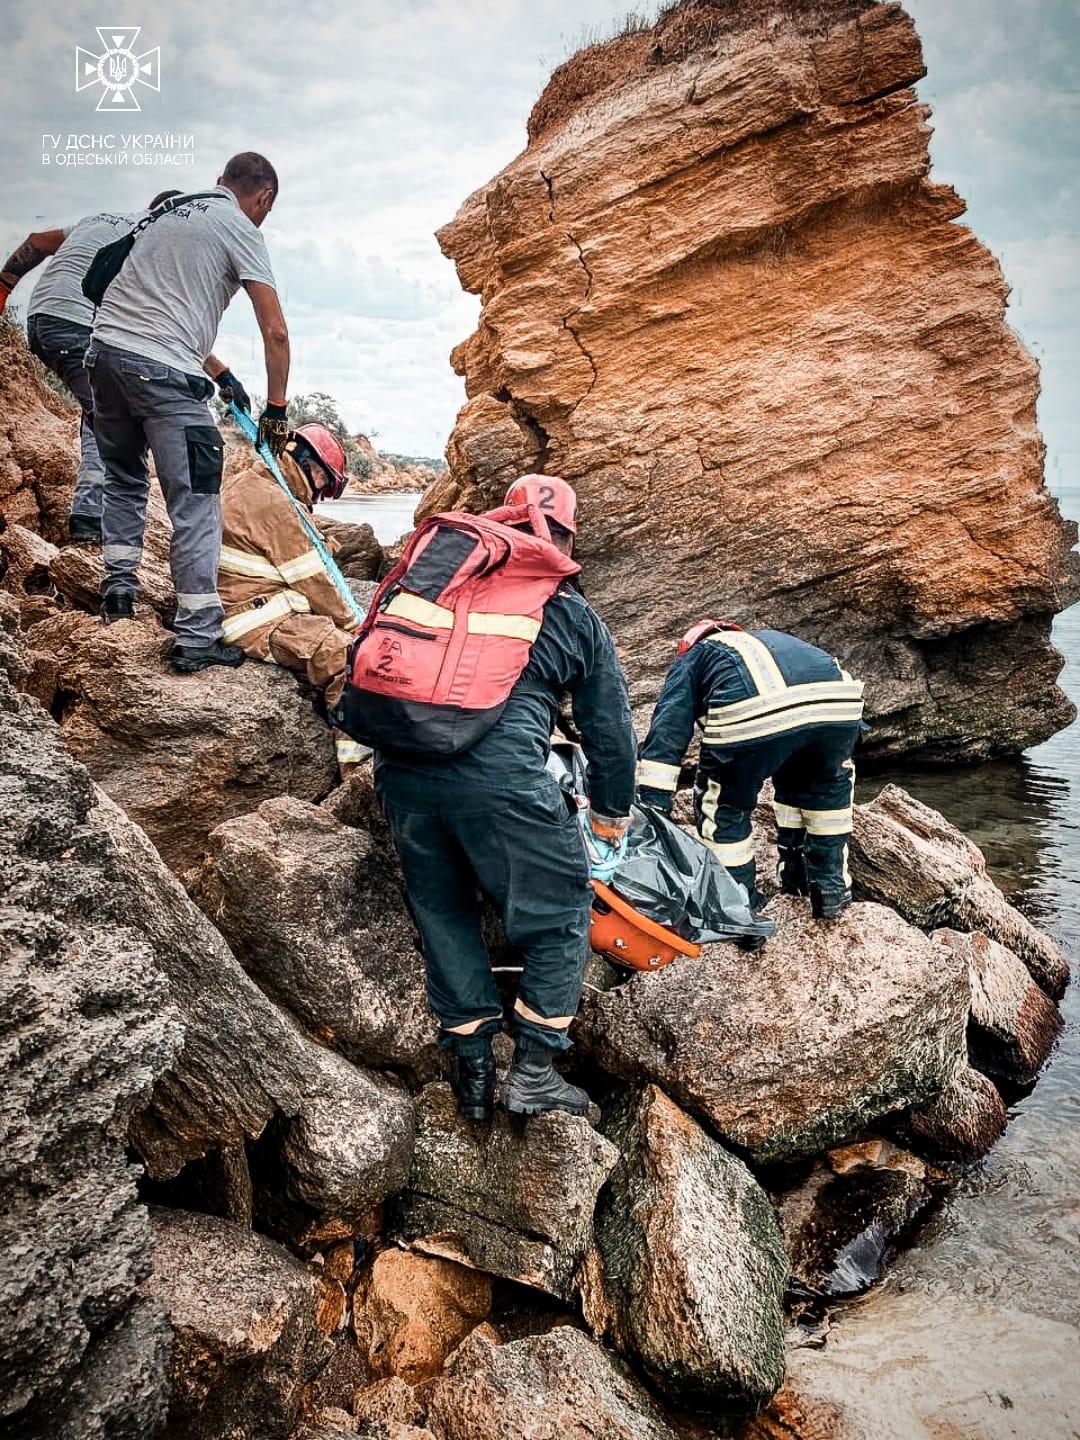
[
  {"x": 470, "y": 1027},
  {"x": 302, "y": 568},
  {"x": 243, "y": 562},
  {"x": 555, "y": 1022},
  {"x": 828, "y": 822},
  {"x": 787, "y": 816},
  {"x": 287, "y": 602},
  {"x": 756, "y": 656},
  {"x": 657, "y": 775},
  {"x": 121, "y": 554},
  {"x": 732, "y": 853},
  {"x": 188, "y": 601},
  {"x": 415, "y": 607},
  {"x": 350, "y": 752},
  {"x": 513, "y": 627}
]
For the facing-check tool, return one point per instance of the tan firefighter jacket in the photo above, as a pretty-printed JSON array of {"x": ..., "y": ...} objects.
[{"x": 269, "y": 568}]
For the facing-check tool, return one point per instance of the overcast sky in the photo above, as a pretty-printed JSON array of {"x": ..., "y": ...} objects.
[{"x": 382, "y": 117}]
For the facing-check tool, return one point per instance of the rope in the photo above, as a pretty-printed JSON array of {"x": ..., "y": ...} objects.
[{"x": 251, "y": 430}]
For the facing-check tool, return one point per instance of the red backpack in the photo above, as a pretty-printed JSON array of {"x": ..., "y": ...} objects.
[{"x": 449, "y": 632}]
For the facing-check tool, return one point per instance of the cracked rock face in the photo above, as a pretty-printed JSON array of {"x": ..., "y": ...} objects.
[
  {"x": 39, "y": 443},
  {"x": 723, "y": 298}
]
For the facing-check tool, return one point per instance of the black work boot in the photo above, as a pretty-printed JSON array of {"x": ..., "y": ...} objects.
[
  {"x": 828, "y": 904},
  {"x": 791, "y": 871},
  {"x": 472, "y": 1079},
  {"x": 533, "y": 1085},
  {"x": 84, "y": 528},
  {"x": 119, "y": 605},
  {"x": 186, "y": 659}
]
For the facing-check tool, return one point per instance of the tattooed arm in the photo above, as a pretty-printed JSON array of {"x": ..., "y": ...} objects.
[{"x": 37, "y": 246}]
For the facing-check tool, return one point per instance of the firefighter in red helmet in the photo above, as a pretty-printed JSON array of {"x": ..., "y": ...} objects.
[
  {"x": 768, "y": 704},
  {"x": 280, "y": 604}
]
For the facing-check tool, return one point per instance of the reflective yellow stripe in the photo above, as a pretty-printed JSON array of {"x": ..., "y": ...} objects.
[
  {"x": 514, "y": 627},
  {"x": 736, "y": 852},
  {"x": 819, "y": 691},
  {"x": 470, "y": 1027},
  {"x": 556, "y": 1022},
  {"x": 243, "y": 562},
  {"x": 779, "y": 723},
  {"x": 787, "y": 816},
  {"x": 828, "y": 822},
  {"x": 657, "y": 774},
  {"x": 414, "y": 607},
  {"x": 285, "y": 602},
  {"x": 303, "y": 567},
  {"x": 756, "y": 656}
]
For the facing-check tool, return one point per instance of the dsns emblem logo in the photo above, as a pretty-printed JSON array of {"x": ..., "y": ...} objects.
[{"x": 118, "y": 69}]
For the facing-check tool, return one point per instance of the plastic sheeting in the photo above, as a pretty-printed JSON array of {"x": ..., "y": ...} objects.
[{"x": 668, "y": 874}]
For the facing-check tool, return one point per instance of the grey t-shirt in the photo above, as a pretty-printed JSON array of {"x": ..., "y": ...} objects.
[
  {"x": 168, "y": 300},
  {"x": 59, "y": 290}
]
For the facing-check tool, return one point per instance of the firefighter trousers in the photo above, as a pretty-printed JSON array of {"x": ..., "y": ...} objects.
[
  {"x": 522, "y": 849},
  {"x": 813, "y": 778}
]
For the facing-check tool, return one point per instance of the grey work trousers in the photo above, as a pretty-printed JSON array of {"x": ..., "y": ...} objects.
[
  {"x": 61, "y": 345},
  {"x": 143, "y": 405}
]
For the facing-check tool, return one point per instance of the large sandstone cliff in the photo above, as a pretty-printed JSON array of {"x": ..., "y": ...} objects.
[{"x": 722, "y": 296}]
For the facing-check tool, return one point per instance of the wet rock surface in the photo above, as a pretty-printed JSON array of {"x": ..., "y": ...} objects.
[
  {"x": 666, "y": 272},
  {"x": 881, "y": 1025},
  {"x": 960, "y": 1123},
  {"x": 693, "y": 1264},
  {"x": 561, "y": 1381},
  {"x": 242, "y": 1312},
  {"x": 87, "y": 1029},
  {"x": 180, "y": 753},
  {"x": 511, "y": 1196},
  {"x": 356, "y": 979}
]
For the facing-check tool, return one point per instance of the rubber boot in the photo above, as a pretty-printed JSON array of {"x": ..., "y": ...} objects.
[
  {"x": 791, "y": 871},
  {"x": 187, "y": 659},
  {"x": 119, "y": 605},
  {"x": 472, "y": 1080},
  {"x": 828, "y": 904},
  {"x": 533, "y": 1085}
]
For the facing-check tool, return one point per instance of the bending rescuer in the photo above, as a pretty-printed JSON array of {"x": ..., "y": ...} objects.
[{"x": 769, "y": 705}]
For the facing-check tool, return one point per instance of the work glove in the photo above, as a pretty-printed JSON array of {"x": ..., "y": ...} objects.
[
  {"x": 229, "y": 388},
  {"x": 274, "y": 427},
  {"x": 605, "y": 844}
]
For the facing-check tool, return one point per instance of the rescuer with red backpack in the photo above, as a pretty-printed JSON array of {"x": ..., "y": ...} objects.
[{"x": 455, "y": 680}]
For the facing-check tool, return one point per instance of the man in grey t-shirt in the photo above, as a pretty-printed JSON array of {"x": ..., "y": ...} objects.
[
  {"x": 58, "y": 324},
  {"x": 148, "y": 362}
]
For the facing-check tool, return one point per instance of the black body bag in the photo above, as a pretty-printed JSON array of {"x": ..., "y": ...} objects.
[{"x": 109, "y": 260}]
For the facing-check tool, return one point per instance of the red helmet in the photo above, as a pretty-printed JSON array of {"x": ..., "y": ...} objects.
[
  {"x": 327, "y": 475},
  {"x": 553, "y": 497},
  {"x": 700, "y": 630}
]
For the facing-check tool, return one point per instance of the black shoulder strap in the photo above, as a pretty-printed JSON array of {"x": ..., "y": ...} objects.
[{"x": 174, "y": 204}]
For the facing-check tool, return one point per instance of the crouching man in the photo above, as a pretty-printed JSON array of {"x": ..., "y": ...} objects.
[
  {"x": 281, "y": 605},
  {"x": 768, "y": 704}
]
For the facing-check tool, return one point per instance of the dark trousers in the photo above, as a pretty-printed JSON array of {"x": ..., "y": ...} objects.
[
  {"x": 813, "y": 777},
  {"x": 61, "y": 346},
  {"x": 522, "y": 849}
]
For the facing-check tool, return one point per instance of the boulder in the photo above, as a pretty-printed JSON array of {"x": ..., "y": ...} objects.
[
  {"x": 356, "y": 979},
  {"x": 559, "y": 1384},
  {"x": 847, "y": 1219},
  {"x": 24, "y": 568},
  {"x": 795, "y": 1048},
  {"x": 180, "y": 753},
  {"x": 721, "y": 295},
  {"x": 77, "y": 570},
  {"x": 907, "y": 856},
  {"x": 512, "y": 1197},
  {"x": 694, "y": 1268},
  {"x": 87, "y": 1030},
  {"x": 912, "y": 1366},
  {"x": 1012, "y": 1026},
  {"x": 959, "y": 1124},
  {"x": 388, "y": 1402},
  {"x": 245, "y": 1342},
  {"x": 356, "y": 550},
  {"x": 39, "y": 442},
  {"x": 410, "y": 1311}
]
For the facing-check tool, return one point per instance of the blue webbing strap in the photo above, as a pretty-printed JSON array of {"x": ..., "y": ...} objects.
[{"x": 251, "y": 430}]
